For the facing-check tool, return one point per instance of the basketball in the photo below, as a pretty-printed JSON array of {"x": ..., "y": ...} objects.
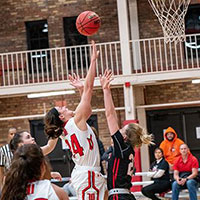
[{"x": 88, "y": 23}]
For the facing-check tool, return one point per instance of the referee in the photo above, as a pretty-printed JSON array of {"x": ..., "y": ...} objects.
[{"x": 6, "y": 155}]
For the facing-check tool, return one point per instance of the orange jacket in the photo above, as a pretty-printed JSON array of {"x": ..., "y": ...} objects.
[{"x": 171, "y": 148}]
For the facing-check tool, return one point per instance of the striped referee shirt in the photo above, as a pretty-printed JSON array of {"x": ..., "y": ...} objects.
[{"x": 5, "y": 156}]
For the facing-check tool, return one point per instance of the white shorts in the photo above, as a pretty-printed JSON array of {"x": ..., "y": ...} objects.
[{"x": 89, "y": 183}]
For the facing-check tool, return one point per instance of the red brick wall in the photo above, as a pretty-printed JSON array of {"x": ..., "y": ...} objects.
[
  {"x": 149, "y": 26},
  {"x": 170, "y": 93},
  {"x": 22, "y": 106},
  {"x": 14, "y": 14}
]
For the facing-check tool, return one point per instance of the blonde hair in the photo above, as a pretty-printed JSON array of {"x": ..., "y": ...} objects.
[{"x": 137, "y": 135}]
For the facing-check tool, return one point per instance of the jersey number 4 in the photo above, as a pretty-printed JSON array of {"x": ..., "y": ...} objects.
[{"x": 75, "y": 146}]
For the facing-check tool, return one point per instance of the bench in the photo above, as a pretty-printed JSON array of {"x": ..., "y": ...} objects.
[
  {"x": 183, "y": 194},
  {"x": 166, "y": 195}
]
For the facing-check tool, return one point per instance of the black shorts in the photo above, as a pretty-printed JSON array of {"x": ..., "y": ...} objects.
[{"x": 122, "y": 197}]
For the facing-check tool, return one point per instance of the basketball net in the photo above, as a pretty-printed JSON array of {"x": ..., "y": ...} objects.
[{"x": 171, "y": 14}]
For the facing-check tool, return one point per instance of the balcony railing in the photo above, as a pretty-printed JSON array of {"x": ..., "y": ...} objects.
[
  {"x": 154, "y": 55},
  {"x": 54, "y": 65}
]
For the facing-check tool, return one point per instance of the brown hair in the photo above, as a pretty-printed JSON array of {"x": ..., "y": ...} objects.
[
  {"x": 158, "y": 148},
  {"x": 95, "y": 131},
  {"x": 26, "y": 166},
  {"x": 53, "y": 124},
  {"x": 137, "y": 135}
]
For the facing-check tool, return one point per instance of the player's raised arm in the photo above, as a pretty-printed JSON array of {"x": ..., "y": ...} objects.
[
  {"x": 83, "y": 111},
  {"x": 111, "y": 115},
  {"x": 76, "y": 82}
]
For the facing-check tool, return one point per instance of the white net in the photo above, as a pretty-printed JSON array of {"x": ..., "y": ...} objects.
[{"x": 171, "y": 14}]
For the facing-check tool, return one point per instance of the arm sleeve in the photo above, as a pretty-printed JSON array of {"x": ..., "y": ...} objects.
[
  {"x": 195, "y": 163},
  {"x": 151, "y": 174},
  {"x": 119, "y": 145},
  {"x": 158, "y": 173}
]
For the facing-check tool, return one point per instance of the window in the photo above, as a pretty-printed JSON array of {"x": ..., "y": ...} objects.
[
  {"x": 72, "y": 36},
  {"x": 37, "y": 38},
  {"x": 75, "y": 56},
  {"x": 192, "y": 19},
  {"x": 192, "y": 26}
]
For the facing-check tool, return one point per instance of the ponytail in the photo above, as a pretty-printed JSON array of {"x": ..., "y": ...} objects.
[
  {"x": 53, "y": 124},
  {"x": 137, "y": 135},
  {"x": 26, "y": 166}
]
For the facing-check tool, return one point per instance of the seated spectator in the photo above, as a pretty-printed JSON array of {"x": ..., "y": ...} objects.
[
  {"x": 159, "y": 173},
  {"x": 171, "y": 146},
  {"x": 25, "y": 178},
  {"x": 185, "y": 171}
]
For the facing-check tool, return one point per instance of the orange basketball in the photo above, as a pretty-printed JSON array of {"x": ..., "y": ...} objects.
[{"x": 88, "y": 23}]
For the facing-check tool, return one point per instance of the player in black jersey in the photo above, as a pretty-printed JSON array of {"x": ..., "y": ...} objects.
[{"x": 121, "y": 162}]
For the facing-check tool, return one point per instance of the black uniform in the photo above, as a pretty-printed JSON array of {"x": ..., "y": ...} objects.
[
  {"x": 161, "y": 184},
  {"x": 118, "y": 167}
]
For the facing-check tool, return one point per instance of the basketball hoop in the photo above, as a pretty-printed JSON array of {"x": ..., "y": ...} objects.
[{"x": 171, "y": 15}]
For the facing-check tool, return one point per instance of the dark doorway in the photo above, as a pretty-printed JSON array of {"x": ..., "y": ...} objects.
[
  {"x": 185, "y": 121},
  {"x": 60, "y": 157}
]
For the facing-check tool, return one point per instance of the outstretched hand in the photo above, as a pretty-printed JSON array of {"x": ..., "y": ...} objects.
[
  {"x": 75, "y": 81},
  {"x": 106, "y": 79},
  {"x": 95, "y": 53}
]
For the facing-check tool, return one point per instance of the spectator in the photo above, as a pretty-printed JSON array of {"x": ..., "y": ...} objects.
[
  {"x": 185, "y": 171},
  {"x": 25, "y": 177},
  {"x": 159, "y": 173},
  {"x": 171, "y": 146},
  {"x": 6, "y": 155},
  {"x": 101, "y": 148}
]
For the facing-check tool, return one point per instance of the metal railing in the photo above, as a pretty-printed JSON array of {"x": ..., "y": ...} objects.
[
  {"x": 154, "y": 55},
  {"x": 54, "y": 65}
]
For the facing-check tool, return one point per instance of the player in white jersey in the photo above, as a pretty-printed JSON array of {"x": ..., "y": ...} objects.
[
  {"x": 24, "y": 179},
  {"x": 41, "y": 189},
  {"x": 86, "y": 176}
]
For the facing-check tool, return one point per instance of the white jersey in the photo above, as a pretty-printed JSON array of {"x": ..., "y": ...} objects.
[
  {"x": 86, "y": 177},
  {"x": 83, "y": 145},
  {"x": 41, "y": 189}
]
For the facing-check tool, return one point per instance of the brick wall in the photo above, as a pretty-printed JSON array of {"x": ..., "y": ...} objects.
[
  {"x": 22, "y": 106},
  {"x": 14, "y": 14},
  {"x": 149, "y": 26},
  {"x": 170, "y": 93}
]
